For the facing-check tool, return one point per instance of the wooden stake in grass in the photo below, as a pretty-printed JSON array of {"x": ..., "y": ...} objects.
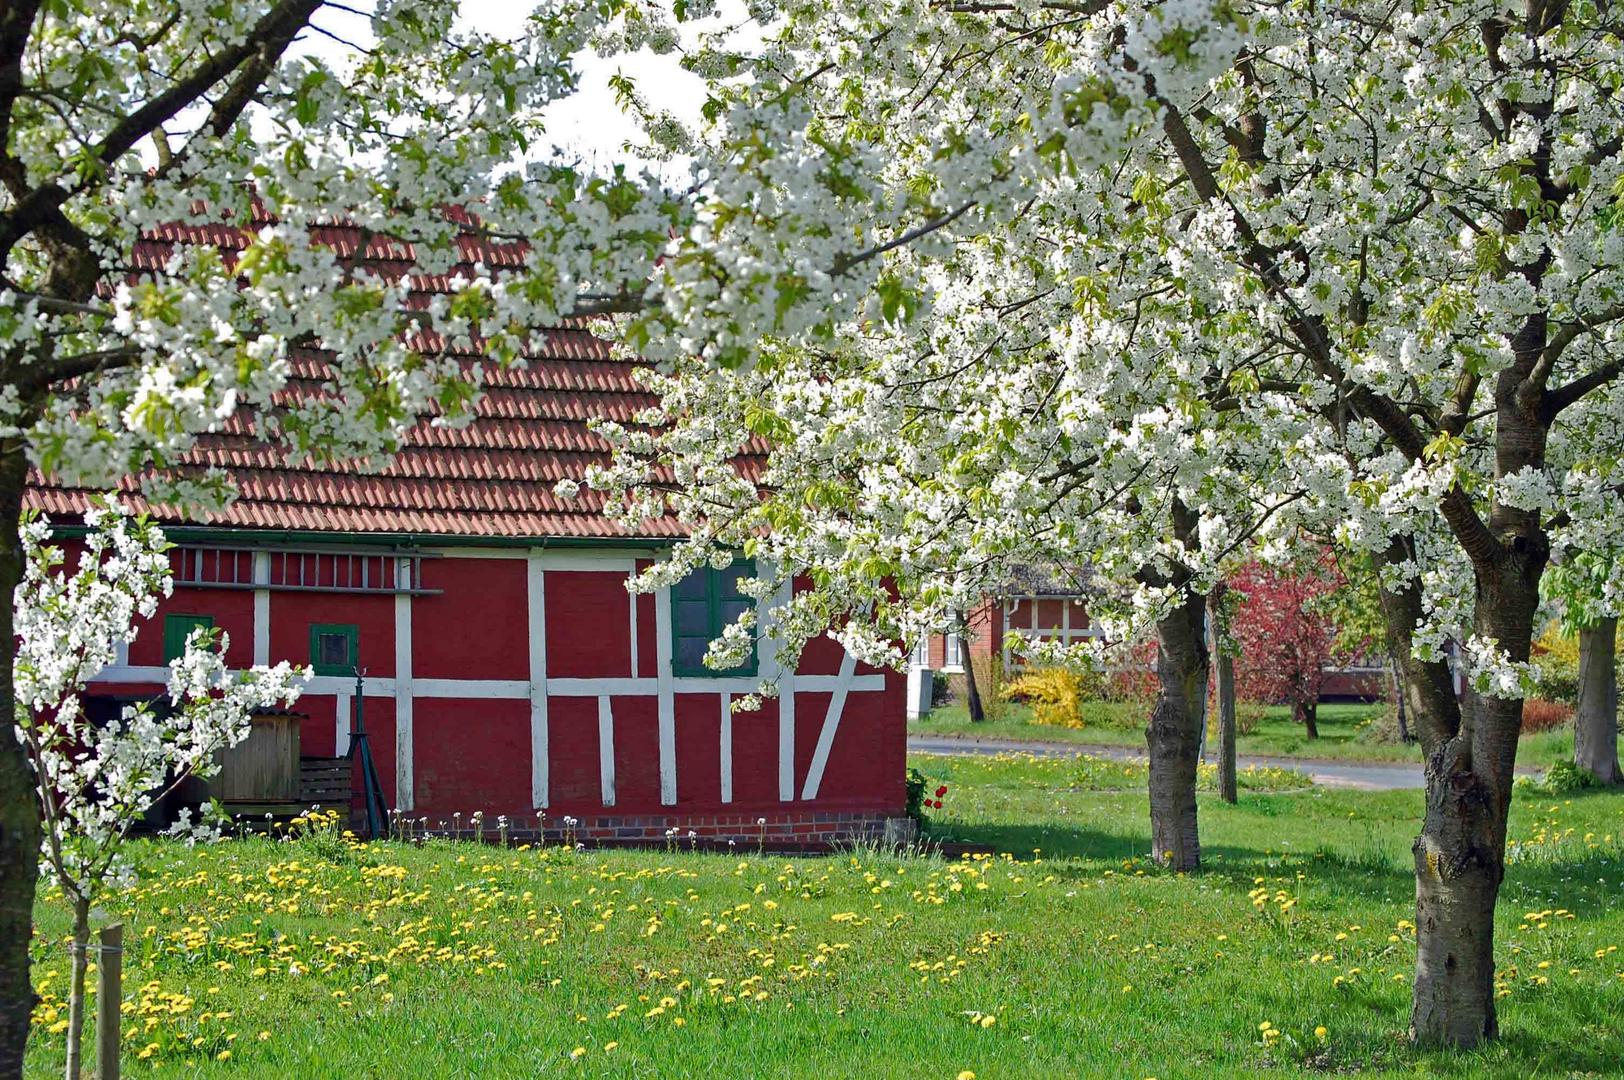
[{"x": 109, "y": 996}]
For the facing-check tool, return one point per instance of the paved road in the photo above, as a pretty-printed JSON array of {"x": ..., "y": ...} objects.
[{"x": 1327, "y": 773}]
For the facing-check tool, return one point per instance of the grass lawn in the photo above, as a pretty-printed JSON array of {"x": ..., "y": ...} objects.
[
  {"x": 1068, "y": 956},
  {"x": 1111, "y": 723}
]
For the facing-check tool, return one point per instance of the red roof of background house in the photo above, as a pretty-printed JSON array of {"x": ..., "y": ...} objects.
[{"x": 492, "y": 478}]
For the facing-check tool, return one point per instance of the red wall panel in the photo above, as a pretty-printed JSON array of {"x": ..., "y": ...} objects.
[
  {"x": 588, "y": 624},
  {"x": 810, "y": 709},
  {"x": 1050, "y": 613},
  {"x": 755, "y": 759},
  {"x": 699, "y": 751},
  {"x": 572, "y": 756},
  {"x": 292, "y": 614},
  {"x": 648, "y": 653},
  {"x": 867, "y": 758},
  {"x": 318, "y": 732},
  {"x": 233, "y": 612},
  {"x": 637, "y": 755},
  {"x": 471, "y": 755},
  {"x": 478, "y": 627}
]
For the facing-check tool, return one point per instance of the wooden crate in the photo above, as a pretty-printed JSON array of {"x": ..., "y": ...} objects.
[
  {"x": 326, "y": 782},
  {"x": 263, "y": 768}
]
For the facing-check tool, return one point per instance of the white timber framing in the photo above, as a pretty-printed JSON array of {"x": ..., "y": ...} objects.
[
  {"x": 404, "y": 796},
  {"x": 667, "y": 704},
  {"x": 788, "y": 683},
  {"x": 262, "y": 610},
  {"x": 343, "y": 720},
  {"x": 536, "y": 690},
  {"x": 724, "y": 739},
  {"x": 606, "y": 750},
  {"x": 403, "y": 687}
]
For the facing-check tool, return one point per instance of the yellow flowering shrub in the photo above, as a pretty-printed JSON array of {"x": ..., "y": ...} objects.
[{"x": 1055, "y": 695}]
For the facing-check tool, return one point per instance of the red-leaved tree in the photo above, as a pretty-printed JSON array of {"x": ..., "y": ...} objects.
[{"x": 1286, "y": 635}]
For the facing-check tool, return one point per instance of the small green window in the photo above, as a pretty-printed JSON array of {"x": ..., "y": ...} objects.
[
  {"x": 334, "y": 648},
  {"x": 701, "y": 605},
  {"x": 178, "y": 628}
]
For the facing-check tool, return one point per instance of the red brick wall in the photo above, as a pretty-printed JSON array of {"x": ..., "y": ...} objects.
[{"x": 805, "y": 829}]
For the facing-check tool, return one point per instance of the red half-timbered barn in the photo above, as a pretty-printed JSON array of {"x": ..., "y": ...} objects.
[{"x": 507, "y": 669}]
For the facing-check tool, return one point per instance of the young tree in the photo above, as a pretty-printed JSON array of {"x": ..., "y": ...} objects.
[
  {"x": 1286, "y": 635},
  {"x": 93, "y": 781}
]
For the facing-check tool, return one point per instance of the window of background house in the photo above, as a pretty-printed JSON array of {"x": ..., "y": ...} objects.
[
  {"x": 334, "y": 648},
  {"x": 701, "y": 605}
]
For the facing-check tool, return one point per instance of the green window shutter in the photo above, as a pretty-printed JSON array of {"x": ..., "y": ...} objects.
[
  {"x": 334, "y": 648},
  {"x": 177, "y": 628},
  {"x": 701, "y": 605}
]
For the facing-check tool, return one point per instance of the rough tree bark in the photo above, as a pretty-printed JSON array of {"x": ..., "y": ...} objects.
[
  {"x": 1460, "y": 854},
  {"x": 1595, "y": 723},
  {"x": 1224, "y": 677},
  {"x": 1173, "y": 736},
  {"x": 19, "y": 810}
]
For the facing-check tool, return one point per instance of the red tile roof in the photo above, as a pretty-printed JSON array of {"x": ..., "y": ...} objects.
[{"x": 491, "y": 478}]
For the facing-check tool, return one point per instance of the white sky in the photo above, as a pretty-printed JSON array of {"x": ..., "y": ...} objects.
[{"x": 589, "y": 124}]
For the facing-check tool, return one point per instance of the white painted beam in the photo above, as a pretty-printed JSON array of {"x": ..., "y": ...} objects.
[
  {"x": 405, "y": 798},
  {"x": 726, "y": 742},
  {"x": 831, "y": 724},
  {"x": 342, "y": 721},
  {"x": 667, "y": 708},
  {"x": 536, "y": 689},
  {"x": 606, "y": 751}
]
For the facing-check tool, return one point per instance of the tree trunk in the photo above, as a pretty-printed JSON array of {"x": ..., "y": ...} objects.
[
  {"x": 76, "y": 989},
  {"x": 1460, "y": 854},
  {"x": 971, "y": 691},
  {"x": 1224, "y": 668},
  {"x": 1173, "y": 736},
  {"x": 1397, "y": 679},
  {"x": 19, "y": 804},
  {"x": 1311, "y": 718},
  {"x": 1595, "y": 723},
  {"x": 1458, "y": 868}
]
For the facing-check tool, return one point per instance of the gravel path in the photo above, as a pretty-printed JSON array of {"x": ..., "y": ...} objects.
[{"x": 1344, "y": 774}]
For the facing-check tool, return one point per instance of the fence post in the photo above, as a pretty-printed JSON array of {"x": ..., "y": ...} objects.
[{"x": 109, "y": 997}]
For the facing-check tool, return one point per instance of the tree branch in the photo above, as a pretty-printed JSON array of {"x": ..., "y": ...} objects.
[
  {"x": 1469, "y": 528},
  {"x": 40, "y": 203}
]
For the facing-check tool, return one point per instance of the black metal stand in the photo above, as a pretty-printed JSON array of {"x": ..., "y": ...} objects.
[{"x": 361, "y": 750}]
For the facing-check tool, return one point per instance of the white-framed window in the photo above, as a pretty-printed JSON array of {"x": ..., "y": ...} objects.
[
  {"x": 920, "y": 657},
  {"x": 952, "y": 656}
]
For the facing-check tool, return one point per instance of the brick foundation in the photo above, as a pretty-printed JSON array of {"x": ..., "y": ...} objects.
[{"x": 782, "y": 832}]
